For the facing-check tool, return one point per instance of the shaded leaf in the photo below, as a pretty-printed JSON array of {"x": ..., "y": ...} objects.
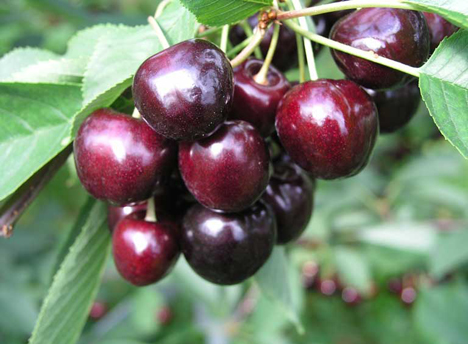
[
  {"x": 450, "y": 253},
  {"x": 69, "y": 299},
  {"x": 455, "y": 11}
]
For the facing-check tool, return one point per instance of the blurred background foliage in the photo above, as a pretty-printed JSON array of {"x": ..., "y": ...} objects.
[{"x": 383, "y": 260}]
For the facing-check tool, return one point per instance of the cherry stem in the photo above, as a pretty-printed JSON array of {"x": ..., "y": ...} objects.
[
  {"x": 248, "y": 50},
  {"x": 262, "y": 76},
  {"x": 136, "y": 113},
  {"x": 344, "y": 5},
  {"x": 162, "y": 38},
  {"x": 224, "y": 38},
  {"x": 301, "y": 58},
  {"x": 151, "y": 211},
  {"x": 309, "y": 51},
  {"x": 248, "y": 31},
  {"x": 161, "y": 7},
  {"x": 15, "y": 206},
  {"x": 239, "y": 47},
  {"x": 367, "y": 55}
]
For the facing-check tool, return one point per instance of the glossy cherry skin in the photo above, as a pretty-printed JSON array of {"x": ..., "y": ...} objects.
[
  {"x": 185, "y": 92},
  {"x": 117, "y": 214},
  {"x": 328, "y": 127},
  {"x": 399, "y": 35},
  {"x": 439, "y": 28},
  {"x": 119, "y": 158},
  {"x": 145, "y": 252},
  {"x": 228, "y": 248},
  {"x": 256, "y": 103},
  {"x": 396, "y": 107},
  {"x": 290, "y": 195},
  {"x": 227, "y": 171}
]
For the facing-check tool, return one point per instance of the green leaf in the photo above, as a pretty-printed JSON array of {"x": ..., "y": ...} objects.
[
  {"x": 274, "y": 280},
  {"x": 221, "y": 12},
  {"x": 120, "y": 51},
  {"x": 20, "y": 58},
  {"x": 455, "y": 11},
  {"x": 444, "y": 89},
  {"x": 404, "y": 236},
  {"x": 450, "y": 253},
  {"x": 83, "y": 43},
  {"x": 441, "y": 313},
  {"x": 353, "y": 269},
  {"x": 58, "y": 71},
  {"x": 67, "y": 304},
  {"x": 35, "y": 124}
]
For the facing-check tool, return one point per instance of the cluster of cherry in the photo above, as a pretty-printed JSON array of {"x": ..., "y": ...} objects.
[{"x": 217, "y": 167}]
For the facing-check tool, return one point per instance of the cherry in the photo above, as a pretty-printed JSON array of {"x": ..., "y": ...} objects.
[
  {"x": 185, "y": 92},
  {"x": 228, "y": 248},
  {"x": 328, "y": 127},
  {"x": 254, "y": 102},
  {"x": 439, "y": 28},
  {"x": 290, "y": 195},
  {"x": 396, "y": 107},
  {"x": 119, "y": 158},
  {"x": 144, "y": 252},
  {"x": 227, "y": 171},
  {"x": 397, "y": 34}
]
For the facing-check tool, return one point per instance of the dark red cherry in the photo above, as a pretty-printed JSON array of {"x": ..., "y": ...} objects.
[
  {"x": 119, "y": 158},
  {"x": 439, "y": 28},
  {"x": 227, "y": 171},
  {"x": 228, "y": 248},
  {"x": 290, "y": 195},
  {"x": 185, "y": 92},
  {"x": 397, "y": 34},
  {"x": 396, "y": 107},
  {"x": 144, "y": 252},
  {"x": 254, "y": 102},
  {"x": 328, "y": 127}
]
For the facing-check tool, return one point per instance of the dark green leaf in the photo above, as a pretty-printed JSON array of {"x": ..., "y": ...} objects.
[
  {"x": 441, "y": 313},
  {"x": 221, "y": 12},
  {"x": 450, "y": 253},
  {"x": 66, "y": 306},
  {"x": 274, "y": 279},
  {"x": 35, "y": 124},
  {"x": 456, "y": 11},
  {"x": 444, "y": 88}
]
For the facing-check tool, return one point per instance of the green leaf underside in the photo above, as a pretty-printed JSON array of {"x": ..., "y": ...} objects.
[
  {"x": 35, "y": 119},
  {"x": 444, "y": 89},
  {"x": 221, "y": 12},
  {"x": 20, "y": 58},
  {"x": 66, "y": 306},
  {"x": 274, "y": 281},
  {"x": 455, "y": 11}
]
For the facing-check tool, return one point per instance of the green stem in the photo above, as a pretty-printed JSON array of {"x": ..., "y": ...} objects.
[
  {"x": 262, "y": 75},
  {"x": 309, "y": 51},
  {"x": 238, "y": 47},
  {"x": 224, "y": 38},
  {"x": 162, "y": 38},
  {"x": 248, "y": 31},
  {"x": 344, "y": 5},
  {"x": 367, "y": 55},
  {"x": 161, "y": 7},
  {"x": 209, "y": 31},
  {"x": 151, "y": 211},
  {"x": 301, "y": 58},
  {"x": 249, "y": 49}
]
